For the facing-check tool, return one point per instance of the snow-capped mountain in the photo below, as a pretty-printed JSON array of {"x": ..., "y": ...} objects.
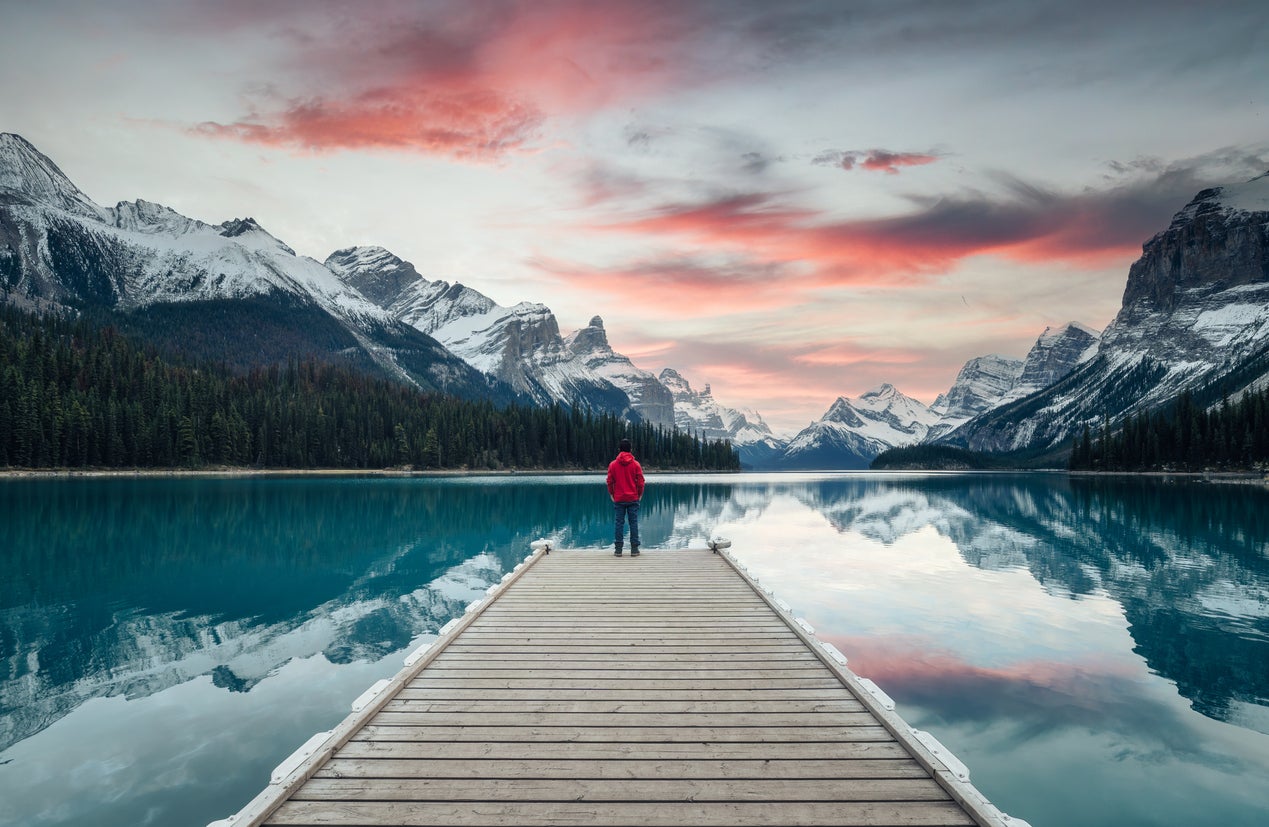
[
  {"x": 987, "y": 382},
  {"x": 520, "y": 345},
  {"x": 979, "y": 386},
  {"x": 698, "y": 411},
  {"x": 1053, "y": 356},
  {"x": 589, "y": 346},
  {"x": 1195, "y": 316},
  {"x": 231, "y": 290},
  {"x": 854, "y": 431}
]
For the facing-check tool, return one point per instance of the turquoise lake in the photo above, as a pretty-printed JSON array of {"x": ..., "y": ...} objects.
[{"x": 1095, "y": 650}]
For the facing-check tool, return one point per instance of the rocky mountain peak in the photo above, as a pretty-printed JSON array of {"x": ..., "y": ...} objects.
[
  {"x": 248, "y": 231},
  {"x": 1217, "y": 241},
  {"x": 590, "y": 339},
  {"x": 147, "y": 217},
  {"x": 28, "y": 176},
  {"x": 1054, "y": 354},
  {"x": 674, "y": 382},
  {"x": 373, "y": 271},
  {"x": 842, "y": 411},
  {"x": 981, "y": 382},
  {"x": 882, "y": 392}
]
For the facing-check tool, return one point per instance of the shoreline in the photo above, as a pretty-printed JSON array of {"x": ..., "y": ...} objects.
[{"x": 230, "y": 472}]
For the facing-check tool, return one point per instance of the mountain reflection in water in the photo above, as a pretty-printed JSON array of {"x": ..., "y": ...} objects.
[
  {"x": 1189, "y": 564},
  {"x": 148, "y": 590}
]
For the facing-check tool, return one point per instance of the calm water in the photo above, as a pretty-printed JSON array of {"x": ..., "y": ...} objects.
[{"x": 1096, "y": 651}]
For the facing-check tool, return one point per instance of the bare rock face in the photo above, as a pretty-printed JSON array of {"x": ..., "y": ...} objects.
[
  {"x": 1220, "y": 240},
  {"x": 373, "y": 272},
  {"x": 1052, "y": 357},
  {"x": 652, "y": 400},
  {"x": 978, "y": 386}
]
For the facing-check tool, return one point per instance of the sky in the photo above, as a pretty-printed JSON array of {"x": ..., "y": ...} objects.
[{"x": 789, "y": 201}]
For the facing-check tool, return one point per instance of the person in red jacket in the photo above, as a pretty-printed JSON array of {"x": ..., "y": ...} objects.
[{"x": 625, "y": 486}]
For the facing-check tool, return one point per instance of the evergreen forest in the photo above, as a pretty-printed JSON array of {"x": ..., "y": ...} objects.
[
  {"x": 77, "y": 394},
  {"x": 1181, "y": 436}
]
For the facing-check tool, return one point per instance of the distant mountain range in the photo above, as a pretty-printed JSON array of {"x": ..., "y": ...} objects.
[
  {"x": 1195, "y": 317},
  {"x": 235, "y": 294},
  {"x": 230, "y": 292},
  {"x": 853, "y": 432}
]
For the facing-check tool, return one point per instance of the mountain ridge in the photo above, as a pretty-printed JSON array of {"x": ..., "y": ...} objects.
[
  {"x": 1194, "y": 316},
  {"x": 154, "y": 270}
]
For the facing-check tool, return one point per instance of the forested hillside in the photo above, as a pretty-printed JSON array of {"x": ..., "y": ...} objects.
[
  {"x": 77, "y": 395},
  {"x": 1182, "y": 436}
]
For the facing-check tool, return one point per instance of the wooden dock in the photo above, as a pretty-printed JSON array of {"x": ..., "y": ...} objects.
[{"x": 587, "y": 689}]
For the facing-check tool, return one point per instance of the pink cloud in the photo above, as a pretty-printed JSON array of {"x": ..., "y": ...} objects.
[
  {"x": 1025, "y": 225},
  {"x": 472, "y": 82},
  {"x": 847, "y": 354},
  {"x": 675, "y": 286},
  {"x": 468, "y": 125},
  {"x": 877, "y": 160},
  {"x": 883, "y": 160},
  {"x": 925, "y": 675}
]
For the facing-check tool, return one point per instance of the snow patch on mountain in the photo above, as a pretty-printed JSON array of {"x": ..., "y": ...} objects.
[
  {"x": 854, "y": 431},
  {"x": 520, "y": 345},
  {"x": 699, "y": 412},
  {"x": 29, "y": 177},
  {"x": 979, "y": 386},
  {"x": 1054, "y": 354}
]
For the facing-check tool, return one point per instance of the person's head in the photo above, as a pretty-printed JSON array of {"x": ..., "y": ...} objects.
[{"x": 624, "y": 445}]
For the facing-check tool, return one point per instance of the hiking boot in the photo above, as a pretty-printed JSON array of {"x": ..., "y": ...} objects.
[
  {"x": 634, "y": 551},
  {"x": 617, "y": 552}
]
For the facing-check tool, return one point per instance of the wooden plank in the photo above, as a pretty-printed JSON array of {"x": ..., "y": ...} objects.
[
  {"x": 627, "y": 627},
  {"x": 627, "y": 735},
  {"x": 651, "y": 814},
  {"x": 417, "y": 691},
  {"x": 657, "y": 706},
  {"x": 408, "y": 714},
  {"x": 626, "y": 673},
  {"x": 498, "y": 650},
  {"x": 397, "y": 716},
  {"x": 639, "y": 684},
  {"x": 364, "y": 747},
  {"x": 353, "y": 767},
  {"x": 466, "y": 660},
  {"x": 590, "y": 789}
]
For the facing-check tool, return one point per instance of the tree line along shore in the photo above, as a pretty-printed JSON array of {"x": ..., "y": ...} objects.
[{"x": 79, "y": 395}]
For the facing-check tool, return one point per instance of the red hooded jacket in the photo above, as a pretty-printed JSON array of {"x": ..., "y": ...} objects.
[{"x": 625, "y": 478}]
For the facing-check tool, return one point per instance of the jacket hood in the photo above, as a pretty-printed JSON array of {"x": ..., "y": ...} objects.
[{"x": 625, "y": 458}]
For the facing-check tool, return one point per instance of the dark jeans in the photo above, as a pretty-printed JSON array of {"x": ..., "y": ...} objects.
[{"x": 622, "y": 511}]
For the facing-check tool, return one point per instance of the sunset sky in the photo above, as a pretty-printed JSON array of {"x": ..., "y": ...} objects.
[{"x": 789, "y": 201}]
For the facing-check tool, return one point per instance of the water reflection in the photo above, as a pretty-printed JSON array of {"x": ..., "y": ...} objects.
[
  {"x": 1189, "y": 564},
  {"x": 1009, "y": 610}
]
